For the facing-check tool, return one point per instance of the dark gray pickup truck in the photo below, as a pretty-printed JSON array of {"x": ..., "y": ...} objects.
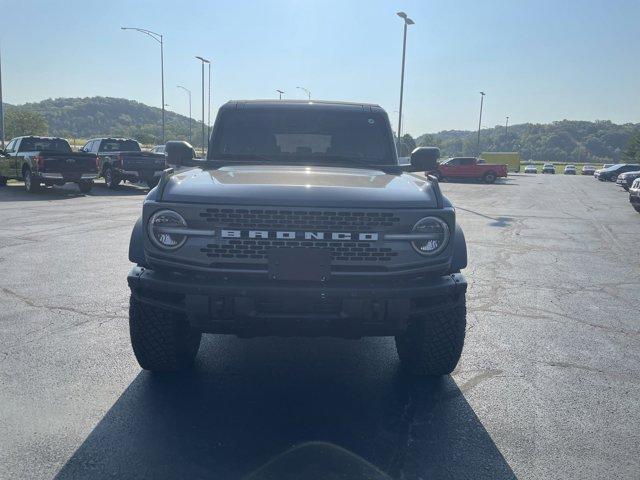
[
  {"x": 122, "y": 159},
  {"x": 300, "y": 222},
  {"x": 48, "y": 161}
]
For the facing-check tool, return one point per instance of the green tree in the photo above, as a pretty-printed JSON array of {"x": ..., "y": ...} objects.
[
  {"x": 632, "y": 153},
  {"x": 406, "y": 144},
  {"x": 19, "y": 122}
]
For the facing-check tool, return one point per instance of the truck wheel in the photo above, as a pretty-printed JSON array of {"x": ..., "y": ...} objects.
[
  {"x": 3, "y": 181},
  {"x": 432, "y": 344},
  {"x": 489, "y": 177},
  {"x": 30, "y": 184},
  {"x": 85, "y": 187},
  {"x": 637, "y": 208},
  {"x": 162, "y": 341},
  {"x": 110, "y": 178},
  {"x": 153, "y": 182}
]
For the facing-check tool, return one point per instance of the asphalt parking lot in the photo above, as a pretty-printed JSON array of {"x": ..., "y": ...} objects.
[{"x": 547, "y": 387}]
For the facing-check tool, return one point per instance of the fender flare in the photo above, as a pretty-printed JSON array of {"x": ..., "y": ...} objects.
[
  {"x": 459, "y": 260},
  {"x": 136, "y": 244}
]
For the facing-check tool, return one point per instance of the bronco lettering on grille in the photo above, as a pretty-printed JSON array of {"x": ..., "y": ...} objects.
[{"x": 292, "y": 235}]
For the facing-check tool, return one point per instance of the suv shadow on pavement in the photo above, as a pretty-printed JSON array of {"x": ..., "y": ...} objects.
[{"x": 240, "y": 408}]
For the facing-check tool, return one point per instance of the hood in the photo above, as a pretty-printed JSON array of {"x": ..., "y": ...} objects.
[{"x": 299, "y": 186}]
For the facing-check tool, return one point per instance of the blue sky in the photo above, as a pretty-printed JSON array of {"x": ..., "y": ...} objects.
[{"x": 537, "y": 61}]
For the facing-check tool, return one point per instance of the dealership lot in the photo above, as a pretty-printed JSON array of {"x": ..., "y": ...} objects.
[{"x": 547, "y": 386}]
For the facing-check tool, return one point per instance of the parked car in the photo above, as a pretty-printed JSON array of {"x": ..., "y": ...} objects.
[
  {"x": 122, "y": 159},
  {"x": 607, "y": 165},
  {"x": 588, "y": 170},
  {"x": 469, "y": 167},
  {"x": 240, "y": 246},
  {"x": 611, "y": 174},
  {"x": 46, "y": 160},
  {"x": 158, "y": 149},
  {"x": 634, "y": 194},
  {"x": 569, "y": 169},
  {"x": 549, "y": 168},
  {"x": 625, "y": 180},
  {"x": 530, "y": 169}
]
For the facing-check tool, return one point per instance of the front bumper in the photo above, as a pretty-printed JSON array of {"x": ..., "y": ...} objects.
[{"x": 259, "y": 307}]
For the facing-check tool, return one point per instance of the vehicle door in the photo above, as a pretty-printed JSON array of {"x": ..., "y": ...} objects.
[
  {"x": 8, "y": 161},
  {"x": 467, "y": 167},
  {"x": 450, "y": 167}
]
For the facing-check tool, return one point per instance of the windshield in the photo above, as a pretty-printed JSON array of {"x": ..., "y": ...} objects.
[
  {"x": 35, "y": 144},
  {"x": 303, "y": 135},
  {"x": 116, "y": 145}
]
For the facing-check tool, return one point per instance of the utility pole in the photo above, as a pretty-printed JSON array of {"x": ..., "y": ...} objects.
[
  {"x": 480, "y": 120},
  {"x": 189, "y": 93},
  {"x": 407, "y": 22},
  {"x": 280, "y": 92},
  {"x": 1, "y": 108},
  {"x": 209, "y": 105},
  {"x": 506, "y": 128},
  {"x": 204, "y": 142},
  {"x": 306, "y": 91},
  {"x": 158, "y": 38}
]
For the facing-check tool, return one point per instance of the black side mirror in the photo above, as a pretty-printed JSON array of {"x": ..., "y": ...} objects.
[
  {"x": 179, "y": 153},
  {"x": 424, "y": 159}
]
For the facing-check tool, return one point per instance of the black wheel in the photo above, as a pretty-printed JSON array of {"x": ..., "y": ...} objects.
[
  {"x": 637, "y": 207},
  {"x": 153, "y": 182},
  {"x": 85, "y": 187},
  {"x": 432, "y": 345},
  {"x": 162, "y": 341},
  {"x": 110, "y": 178},
  {"x": 3, "y": 181},
  {"x": 489, "y": 177},
  {"x": 30, "y": 184}
]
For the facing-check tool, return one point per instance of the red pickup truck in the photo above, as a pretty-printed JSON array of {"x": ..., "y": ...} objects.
[{"x": 469, "y": 167}]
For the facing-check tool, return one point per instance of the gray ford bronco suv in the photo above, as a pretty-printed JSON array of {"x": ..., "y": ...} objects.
[{"x": 299, "y": 222}]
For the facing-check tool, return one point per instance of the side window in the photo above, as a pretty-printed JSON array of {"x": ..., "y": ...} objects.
[
  {"x": 454, "y": 162},
  {"x": 87, "y": 146},
  {"x": 95, "y": 148},
  {"x": 10, "y": 147},
  {"x": 466, "y": 161}
]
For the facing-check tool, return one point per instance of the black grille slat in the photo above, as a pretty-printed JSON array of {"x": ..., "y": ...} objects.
[
  {"x": 257, "y": 249},
  {"x": 274, "y": 219}
]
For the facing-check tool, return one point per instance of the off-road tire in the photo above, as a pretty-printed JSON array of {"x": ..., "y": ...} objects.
[
  {"x": 110, "y": 178},
  {"x": 85, "y": 187},
  {"x": 489, "y": 177},
  {"x": 162, "y": 340},
  {"x": 432, "y": 344},
  {"x": 31, "y": 185}
]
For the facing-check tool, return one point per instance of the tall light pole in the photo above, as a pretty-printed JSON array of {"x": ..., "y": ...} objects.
[
  {"x": 158, "y": 38},
  {"x": 1, "y": 110},
  {"x": 506, "y": 128},
  {"x": 280, "y": 92},
  {"x": 480, "y": 120},
  {"x": 407, "y": 22},
  {"x": 306, "y": 91},
  {"x": 188, "y": 93},
  {"x": 203, "y": 60},
  {"x": 209, "y": 104}
]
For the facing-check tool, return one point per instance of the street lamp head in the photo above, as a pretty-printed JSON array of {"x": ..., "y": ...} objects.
[
  {"x": 202, "y": 59},
  {"x": 409, "y": 21},
  {"x": 482, "y": 93},
  {"x": 402, "y": 14}
]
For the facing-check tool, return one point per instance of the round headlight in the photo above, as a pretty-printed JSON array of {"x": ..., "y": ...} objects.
[
  {"x": 434, "y": 234},
  {"x": 164, "y": 229}
]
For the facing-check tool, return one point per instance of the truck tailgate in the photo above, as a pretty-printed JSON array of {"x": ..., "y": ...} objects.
[
  {"x": 74, "y": 162},
  {"x": 142, "y": 161}
]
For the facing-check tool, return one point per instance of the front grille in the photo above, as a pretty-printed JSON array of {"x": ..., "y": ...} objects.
[
  {"x": 318, "y": 220},
  {"x": 256, "y": 249}
]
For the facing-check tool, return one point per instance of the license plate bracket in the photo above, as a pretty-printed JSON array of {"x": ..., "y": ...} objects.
[{"x": 299, "y": 264}]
